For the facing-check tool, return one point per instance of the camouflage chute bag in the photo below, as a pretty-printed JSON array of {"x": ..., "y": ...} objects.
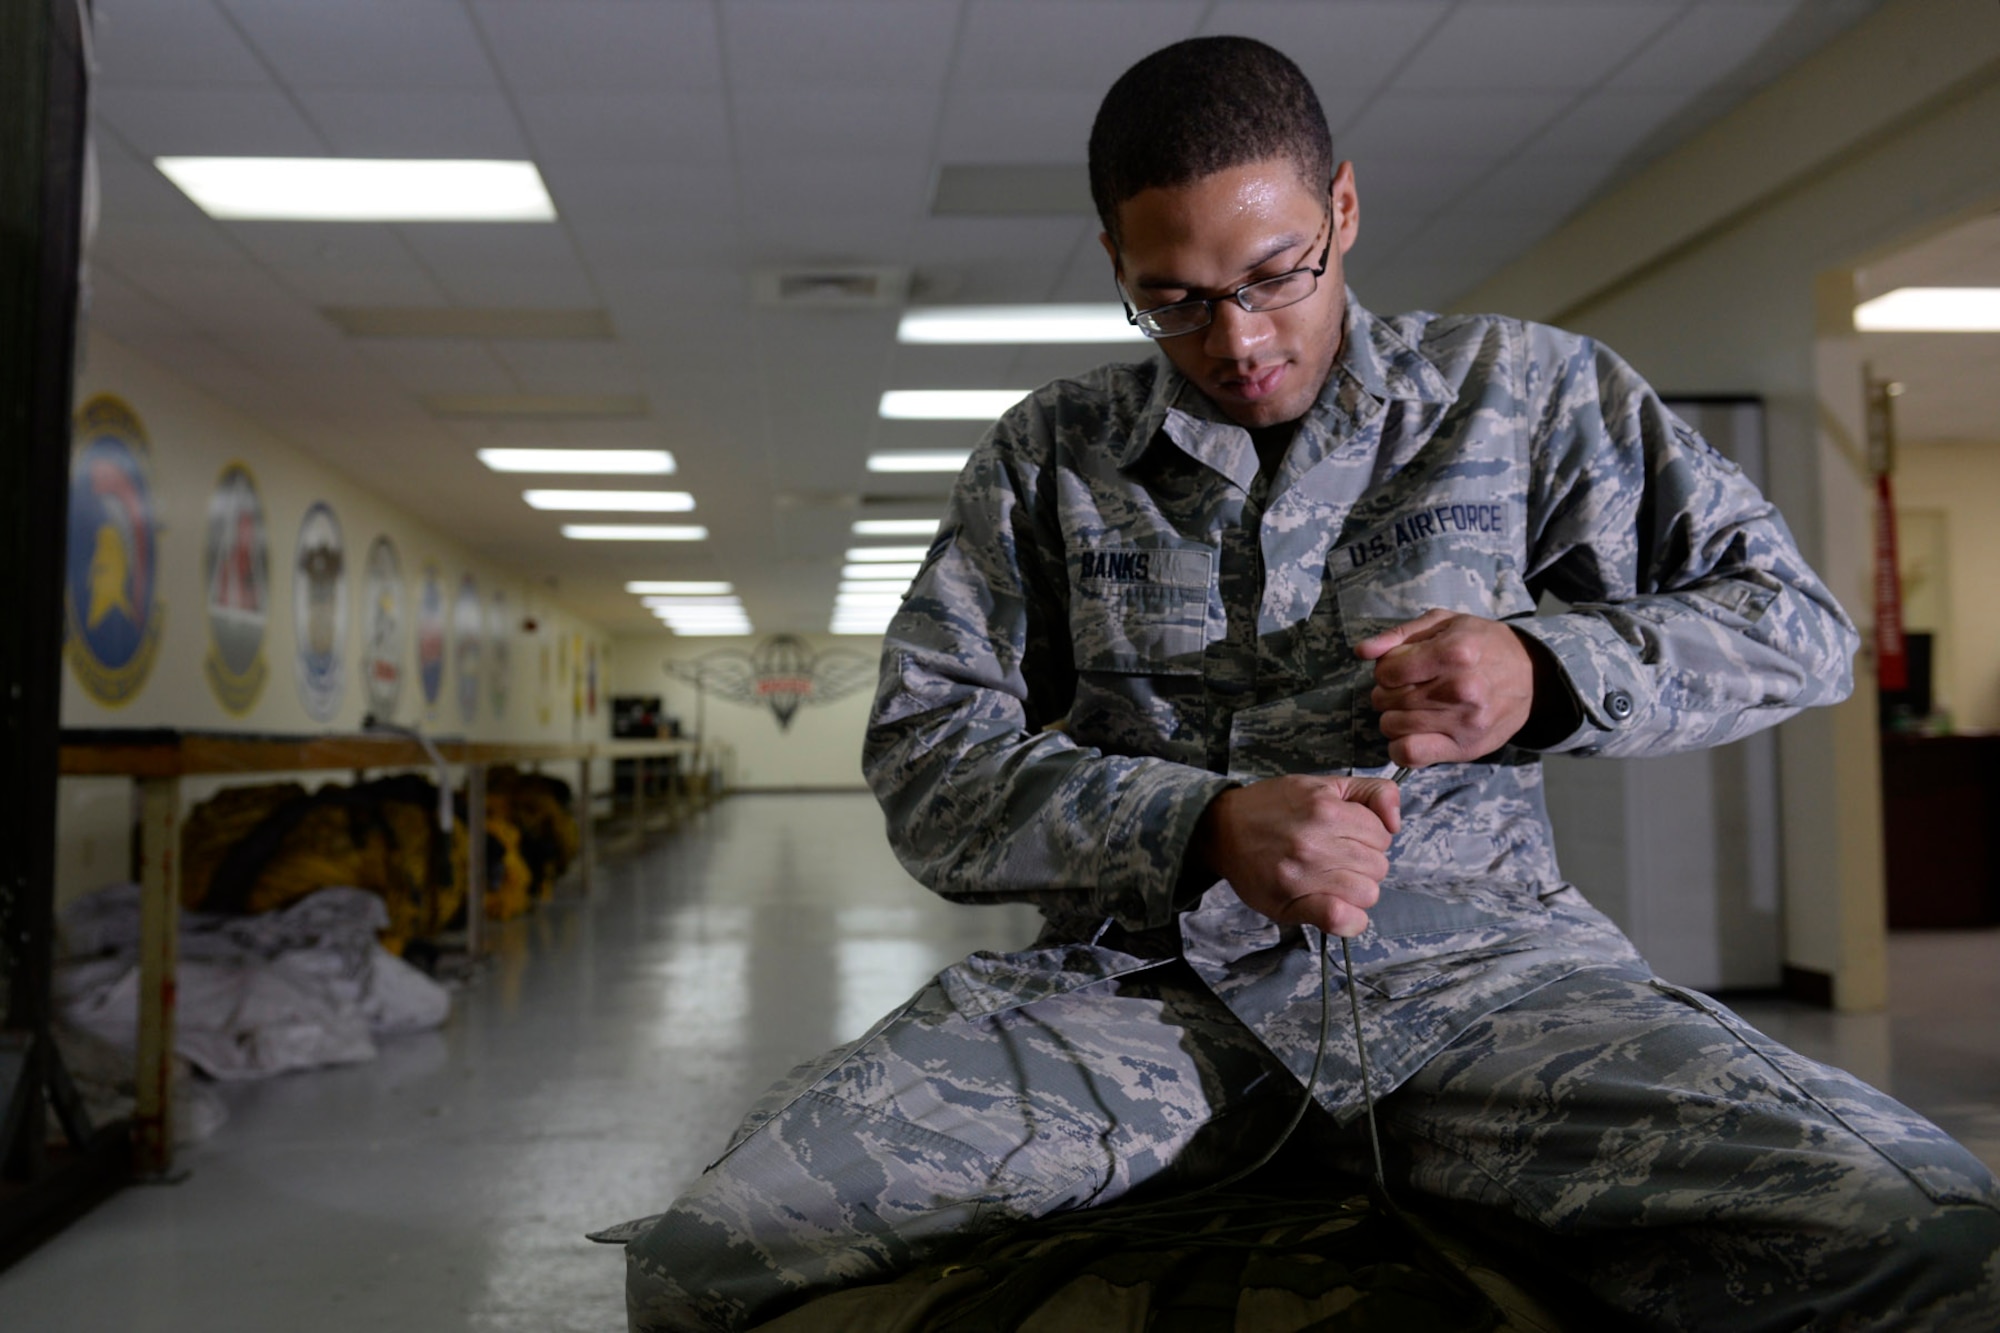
[{"x": 1239, "y": 1262}]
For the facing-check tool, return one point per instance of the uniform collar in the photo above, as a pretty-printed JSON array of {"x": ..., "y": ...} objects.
[{"x": 1373, "y": 358}]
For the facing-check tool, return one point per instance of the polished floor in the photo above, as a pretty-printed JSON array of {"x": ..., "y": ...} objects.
[{"x": 601, "y": 1062}]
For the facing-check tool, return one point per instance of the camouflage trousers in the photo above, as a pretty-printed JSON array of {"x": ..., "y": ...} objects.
[{"x": 1676, "y": 1165}]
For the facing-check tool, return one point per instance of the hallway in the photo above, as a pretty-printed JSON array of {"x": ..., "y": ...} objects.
[
  {"x": 599, "y": 1064},
  {"x": 602, "y": 1060}
]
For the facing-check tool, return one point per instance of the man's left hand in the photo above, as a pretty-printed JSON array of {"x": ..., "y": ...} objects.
[{"x": 1450, "y": 687}]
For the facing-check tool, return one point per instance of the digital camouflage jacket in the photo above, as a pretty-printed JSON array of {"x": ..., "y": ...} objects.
[{"x": 1113, "y": 561}]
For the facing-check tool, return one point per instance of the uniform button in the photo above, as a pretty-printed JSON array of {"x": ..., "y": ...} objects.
[{"x": 1618, "y": 704}]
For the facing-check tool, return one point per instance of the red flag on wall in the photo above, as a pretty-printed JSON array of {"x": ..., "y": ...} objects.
[{"x": 1892, "y": 663}]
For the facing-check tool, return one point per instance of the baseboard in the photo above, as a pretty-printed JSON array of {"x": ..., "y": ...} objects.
[{"x": 1808, "y": 986}]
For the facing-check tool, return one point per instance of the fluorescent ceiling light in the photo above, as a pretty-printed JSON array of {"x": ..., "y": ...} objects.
[
  {"x": 897, "y": 586},
  {"x": 672, "y": 588},
  {"x": 1931, "y": 310},
  {"x": 353, "y": 189},
  {"x": 635, "y": 532},
  {"x": 888, "y": 573},
  {"x": 886, "y": 597},
  {"x": 895, "y": 527},
  {"x": 605, "y": 462},
  {"x": 1105, "y": 323},
  {"x": 949, "y": 404},
  {"x": 608, "y": 502},
  {"x": 875, "y": 555},
  {"x": 911, "y": 460},
  {"x": 676, "y": 603},
  {"x": 742, "y": 632}
]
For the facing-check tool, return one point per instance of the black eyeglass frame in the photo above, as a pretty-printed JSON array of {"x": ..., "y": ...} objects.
[{"x": 1138, "y": 318}]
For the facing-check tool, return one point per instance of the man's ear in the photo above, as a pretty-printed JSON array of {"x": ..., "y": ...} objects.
[
  {"x": 1111, "y": 248},
  {"x": 1346, "y": 207}
]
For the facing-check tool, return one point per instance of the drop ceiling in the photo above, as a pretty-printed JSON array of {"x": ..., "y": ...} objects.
[
  {"x": 691, "y": 145},
  {"x": 1951, "y": 381}
]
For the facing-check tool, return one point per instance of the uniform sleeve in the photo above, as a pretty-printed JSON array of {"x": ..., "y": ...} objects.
[
  {"x": 1693, "y": 619},
  {"x": 983, "y": 803}
]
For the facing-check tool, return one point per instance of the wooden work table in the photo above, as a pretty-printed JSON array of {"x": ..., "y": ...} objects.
[{"x": 159, "y": 759}]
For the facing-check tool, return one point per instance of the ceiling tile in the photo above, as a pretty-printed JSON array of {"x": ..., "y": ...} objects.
[
  {"x": 525, "y": 285},
  {"x": 439, "y": 365},
  {"x": 1412, "y": 185},
  {"x": 128, "y": 314},
  {"x": 1532, "y": 46},
  {"x": 384, "y": 122},
  {"x": 841, "y": 43},
  {"x": 583, "y": 45},
  {"x": 225, "y": 121},
  {"x": 1017, "y": 125},
  {"x": 169, "y": 41},
  {"x": 367, "y": 43},
  {"x": 1609, "y": 122},
  {"x": 793, "y": 122},
  {"x": 1347, "y": 50},
  {"x": 798, "y": 190},
  {"x": 1487, "y": 125},
  {"x": 1077, "y": 44},
  {"x": 495, "y": 245},
  {"x": 1684, "y": 55},
  {"x": 568, "y": 367},
  {"x": 1539, "y": 178},
  {"x": 141, "y": 248},
  {"x": 603, "y": 194},
  {"x": 644, "y": 132}
]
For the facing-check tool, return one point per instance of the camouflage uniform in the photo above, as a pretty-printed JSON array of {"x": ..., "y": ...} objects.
[{"x": 1115, "y": 559}]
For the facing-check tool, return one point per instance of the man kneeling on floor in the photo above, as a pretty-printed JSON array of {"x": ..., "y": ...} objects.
[{"x": 1300, "y": 547}]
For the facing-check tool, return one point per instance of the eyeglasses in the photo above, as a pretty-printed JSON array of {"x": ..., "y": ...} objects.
[{"x": 1260, "y": 297}]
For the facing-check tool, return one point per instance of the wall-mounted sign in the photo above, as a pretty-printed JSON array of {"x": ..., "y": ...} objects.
[
  {"x": 783, "y": 674},
  {"x": 499, "y": 647},
  {"x": 236, "y": 571},
  {"x": 319, "y": 612},
  {"x": 466, "y": 659},
  {"x": 385, "y": 632},
  {"x": 111, "y": 597},
  {"x": 430, "y": 636}
]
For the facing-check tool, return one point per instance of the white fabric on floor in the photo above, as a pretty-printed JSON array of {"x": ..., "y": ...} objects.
[{"x": 257, "y": 995}]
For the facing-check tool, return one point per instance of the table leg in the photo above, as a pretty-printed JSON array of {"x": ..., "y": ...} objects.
[{"x": 159, "y": 949}]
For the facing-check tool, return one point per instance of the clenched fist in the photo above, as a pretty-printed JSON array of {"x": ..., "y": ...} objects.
[
  {"x": 1304, "y": 850},
  {"x": 1451, "y": 687}
]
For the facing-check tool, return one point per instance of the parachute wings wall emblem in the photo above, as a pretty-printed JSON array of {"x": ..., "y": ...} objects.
[{"x": 783, "y": 674}]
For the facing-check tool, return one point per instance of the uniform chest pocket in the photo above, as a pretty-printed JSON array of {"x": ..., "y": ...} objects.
[
  {"x": 1440, "y": 573},
  {"x": 1140, "y": 612}
]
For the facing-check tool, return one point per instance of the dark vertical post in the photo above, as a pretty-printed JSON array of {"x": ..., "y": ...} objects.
[{"x": 42, "y": 85}]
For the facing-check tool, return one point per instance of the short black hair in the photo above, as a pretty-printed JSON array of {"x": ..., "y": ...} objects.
[{"x": 1198, "y": 107}]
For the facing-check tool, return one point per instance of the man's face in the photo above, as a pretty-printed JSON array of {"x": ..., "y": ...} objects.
[{"x": 1209, "y": 237}]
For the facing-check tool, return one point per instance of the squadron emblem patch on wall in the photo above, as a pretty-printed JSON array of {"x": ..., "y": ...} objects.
[
  {"x": 430, "y": 637},
  {"x": 319, "y": 612},
  {"x": 385, "y": 632},
  {"x": 467, "y": 630},
  {"x": 499, "y": 649},
  {"x": 236, "y": 571},
  {"x": 111, "y": 598}
]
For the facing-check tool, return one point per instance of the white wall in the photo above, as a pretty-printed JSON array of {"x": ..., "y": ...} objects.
[
  {"x": 1706, "y": 271},
  {"x": 821, "y": 749},
  {"x": 1960, "y": 483},
  {"x": 191, "y": 439}
]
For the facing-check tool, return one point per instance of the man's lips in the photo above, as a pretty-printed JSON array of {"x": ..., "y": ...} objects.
[{"x": 1255, "y": 384}]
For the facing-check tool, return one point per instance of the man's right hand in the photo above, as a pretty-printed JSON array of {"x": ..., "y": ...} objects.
[{"x": 1304, "y": 850}]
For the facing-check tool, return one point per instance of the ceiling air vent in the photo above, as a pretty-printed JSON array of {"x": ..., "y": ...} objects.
[{"x": 830, "y": 288}]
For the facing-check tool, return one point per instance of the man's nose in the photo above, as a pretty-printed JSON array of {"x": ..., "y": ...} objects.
[{"x": 1234, "y": 333}]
